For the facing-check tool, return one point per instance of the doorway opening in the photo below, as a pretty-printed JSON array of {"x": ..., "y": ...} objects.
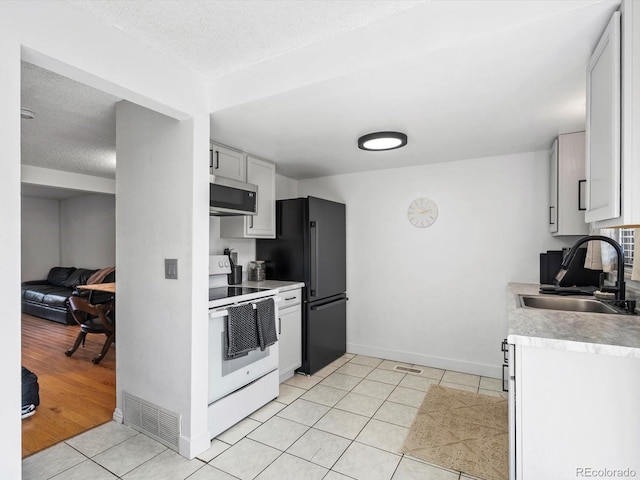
[{"x": 68, "y": 220}]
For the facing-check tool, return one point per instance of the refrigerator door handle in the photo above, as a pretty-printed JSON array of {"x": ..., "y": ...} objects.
[
  {"x": 314, "y": 258},
  {"x": 279, "y": 219},
  {"x": 317, "y": 308}
]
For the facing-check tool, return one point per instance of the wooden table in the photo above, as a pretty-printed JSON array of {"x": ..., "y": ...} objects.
[{"x": 98, "y": 287}]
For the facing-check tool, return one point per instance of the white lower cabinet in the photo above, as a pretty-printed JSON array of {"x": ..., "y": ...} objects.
[
  {"x": 290, "y": 333},
  {"x": 577, "y": 415}
]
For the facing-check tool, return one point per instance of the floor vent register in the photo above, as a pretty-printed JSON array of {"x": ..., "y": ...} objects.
[
  {"x": 400, "y": 368},
  {"x": 156, "y": 422}
]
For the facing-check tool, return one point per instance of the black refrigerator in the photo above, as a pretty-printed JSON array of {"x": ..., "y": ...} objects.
[{"x": 310, "y": 247}]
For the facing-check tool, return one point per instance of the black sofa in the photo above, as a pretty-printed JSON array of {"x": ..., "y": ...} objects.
[{"x": 48, "y": 298}]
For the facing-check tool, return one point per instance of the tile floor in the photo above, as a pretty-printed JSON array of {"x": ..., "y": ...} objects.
[{"x": 348, "y": 421}]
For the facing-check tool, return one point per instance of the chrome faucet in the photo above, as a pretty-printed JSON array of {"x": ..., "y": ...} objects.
[{"x": 619, "y": 289}]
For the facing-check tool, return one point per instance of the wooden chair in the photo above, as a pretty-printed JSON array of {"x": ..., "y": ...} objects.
[{"x": 92, "y": 319}]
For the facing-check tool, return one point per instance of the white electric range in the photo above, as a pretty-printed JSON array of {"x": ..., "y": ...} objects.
[{"x": 238, "y": 386}]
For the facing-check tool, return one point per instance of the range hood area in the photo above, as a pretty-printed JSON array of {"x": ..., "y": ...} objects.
[{"x": 228, "y": 197}]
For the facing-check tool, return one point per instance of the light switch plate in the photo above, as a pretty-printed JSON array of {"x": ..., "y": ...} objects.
[{"x": 171, "y": 268}]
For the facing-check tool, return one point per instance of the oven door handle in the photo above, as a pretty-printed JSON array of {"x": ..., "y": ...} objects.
[
  {"x": 218, "y": 313},
  {"x": 225, "y": 311}
]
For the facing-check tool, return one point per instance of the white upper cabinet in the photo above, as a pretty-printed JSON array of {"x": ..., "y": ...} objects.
[
  {"x": 263, "y": 224},
  {"x": 263, "y": 174},
  {"x": 567, "y": 186},
  {"x": 630, "y": 170},
  {"x": 227, "y": 162},
  {"x": 614, "y": 195},
  {"x": 553, "y": 188},
  {"x": 603, "y": 126}
]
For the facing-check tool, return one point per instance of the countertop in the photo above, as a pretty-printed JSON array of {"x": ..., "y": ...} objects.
[
  {"x": 617, "y": 335},
  {"x": 280, "y": 285}
]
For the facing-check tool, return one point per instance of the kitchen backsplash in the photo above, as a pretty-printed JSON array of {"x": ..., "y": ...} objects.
[
  {"x": 633, "y": 290},
  {"x": 244, "y": 247}
]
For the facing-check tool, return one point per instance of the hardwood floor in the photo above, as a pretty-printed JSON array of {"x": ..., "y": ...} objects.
[{"x": 75, "y": 394}]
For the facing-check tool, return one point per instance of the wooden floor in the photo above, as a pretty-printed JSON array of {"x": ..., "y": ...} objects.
[{"x": 75, "y": 394}]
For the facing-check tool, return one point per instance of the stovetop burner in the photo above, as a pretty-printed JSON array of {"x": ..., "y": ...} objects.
[{"x": 228, "y": 292}]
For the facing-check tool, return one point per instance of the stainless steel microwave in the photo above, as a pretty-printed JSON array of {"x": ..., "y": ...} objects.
[{"x": 229, "y": 197}]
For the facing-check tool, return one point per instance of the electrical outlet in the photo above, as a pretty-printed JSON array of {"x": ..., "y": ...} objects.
[{"x": 171, "y": 268}]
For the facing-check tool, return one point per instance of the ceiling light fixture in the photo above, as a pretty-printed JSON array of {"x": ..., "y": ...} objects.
[
  {"x": 27, "y": 114},
  {"x": 382, "y": 141}
]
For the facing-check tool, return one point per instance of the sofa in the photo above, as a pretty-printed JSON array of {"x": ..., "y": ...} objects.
[{"x": 48, "y": 298}]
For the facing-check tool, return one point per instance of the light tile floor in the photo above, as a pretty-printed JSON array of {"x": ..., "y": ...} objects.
[{"x": 348, "y": 421}]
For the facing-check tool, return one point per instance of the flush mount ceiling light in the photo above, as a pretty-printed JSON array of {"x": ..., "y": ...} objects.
[
  {"x": 27, "y": 114},
  {"x": 382, "y": 141}
]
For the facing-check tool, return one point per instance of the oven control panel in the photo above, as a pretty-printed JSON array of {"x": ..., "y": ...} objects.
[{"x": 219, "y": 264}]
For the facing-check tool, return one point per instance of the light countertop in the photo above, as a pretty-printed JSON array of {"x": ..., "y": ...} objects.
[
  {"x": 280, "y": 285},
  {"x": 617, "y": 335}
]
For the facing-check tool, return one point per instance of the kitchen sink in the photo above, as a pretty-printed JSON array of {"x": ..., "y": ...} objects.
[{"x": 570, "y": 304}]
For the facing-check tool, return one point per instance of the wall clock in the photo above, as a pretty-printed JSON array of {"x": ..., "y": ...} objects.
[{"x": 422, "y": 212}]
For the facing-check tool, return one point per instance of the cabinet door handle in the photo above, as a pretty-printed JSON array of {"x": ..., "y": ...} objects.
[
  {"x": 551, "y": 219},
  {"x": 505, "y": 383},
  {"x": 289, "y": 298},
  {"x": 505, "y": 351},
  {"x": 217, "y": 160},
  {"x": 279, "y": 218},
  {"x": 251, "y": 221},
  {"x": 581, "y": 183},
  {"x": 279, "y": 325},
  {"x": 210, "y": 159}
]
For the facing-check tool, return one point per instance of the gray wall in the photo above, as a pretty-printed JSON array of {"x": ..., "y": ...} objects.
[
  {"x": 437, "y": 296},
  {"x": 40, "y": 236},
  {"x": 88, "y": 231},
  {"x": 76, "y": 232}
]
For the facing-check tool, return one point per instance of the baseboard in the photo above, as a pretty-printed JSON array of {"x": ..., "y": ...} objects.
[
  {"x": 190, "y": 447},
  {"x": 118, "y": 416},
  {"x": 286, "y": 375},
  {"x": 494, "y": 371}
]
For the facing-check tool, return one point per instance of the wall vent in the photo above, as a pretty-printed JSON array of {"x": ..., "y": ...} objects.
[
  {"x": 156, "y": 422},
  {"x": 400, "y": 368}
]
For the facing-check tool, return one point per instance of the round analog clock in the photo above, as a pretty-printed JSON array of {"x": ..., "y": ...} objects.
[{"x": 422, "y": 212}]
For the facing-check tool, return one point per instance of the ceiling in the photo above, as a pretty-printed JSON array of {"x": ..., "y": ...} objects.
[
  {"x": 74, "y": 128},
  {"x": 217, "y": 37},
  {"x": 463, "y": 79}
]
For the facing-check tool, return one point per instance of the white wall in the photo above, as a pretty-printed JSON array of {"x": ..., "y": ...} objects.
[
  {"x": 286, "y": 187},
  {"x": 40, "y": 237},
  {"x": 157, "y": 322},
  {"x": 10, "y": 448},
  {"x": 66, "y": 180},
  {"x": 436, "y": 296},
  {"x": 47, "y": 34},
  {"x": 88, "y": 231}
]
